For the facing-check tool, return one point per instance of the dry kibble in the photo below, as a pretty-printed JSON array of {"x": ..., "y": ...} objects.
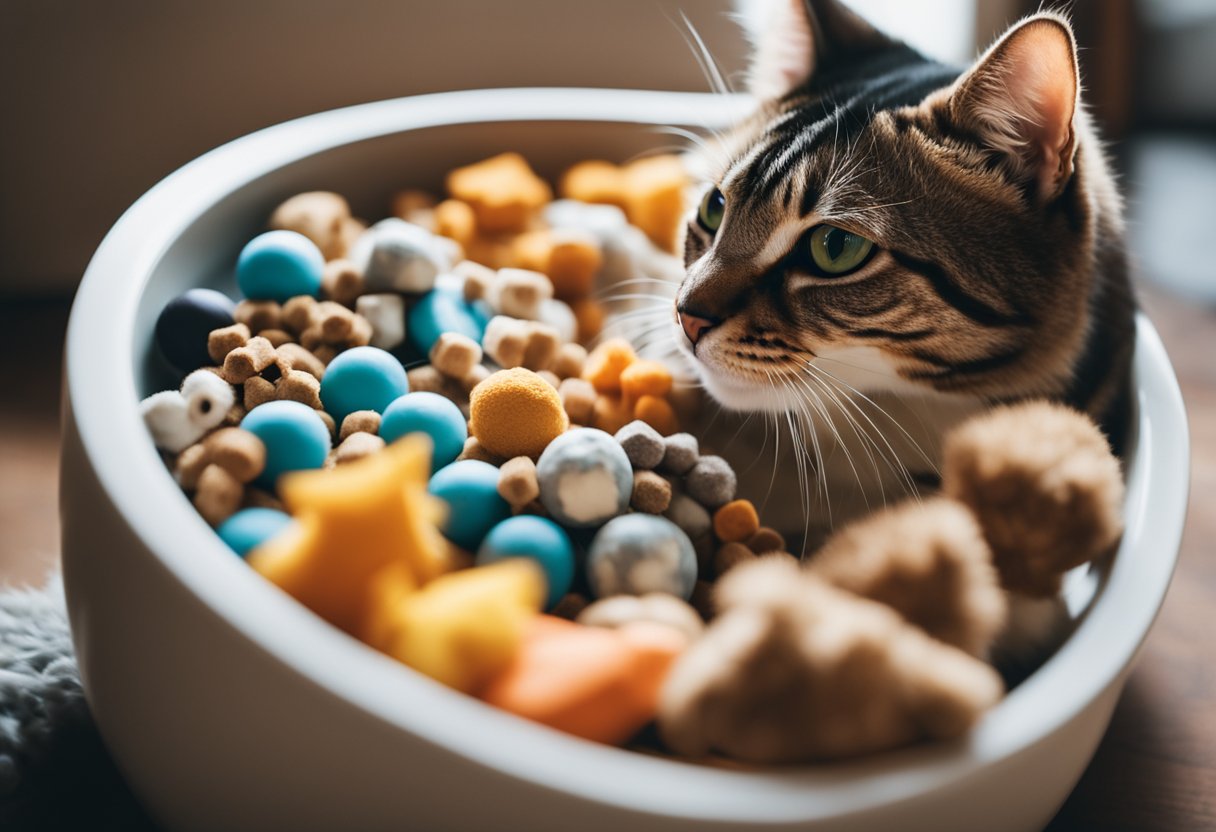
[
  {"x": 606, "y": 363},
  {"x": 455, "y": 355},
  {"x": 505, "y": 341},
  {"x": 300, "y": 313},
  {"x": 542, "y": 345},
  {"x": 711, "y": 482},
  {"x": 689, "y": 515},
  {"x": 299, "y": 386},
  {"x": 517, "y": 483},
  {"x": 569, "y": 361},
  {"x": 328, "y": 422},
  {"x": 408, "y": 204},
  {"x": 318, "y": 215},
  {"x": 276, "y": 337},
  {"x": 385, "y": 314},
  {"x": 611, "y": 413},
  {"x": 642, "y": 444},
  {"x": 651, "y": 493},
  {"x": 519, "y": 293},
  {"x": 235, "y": 414},
  {"x": 590, "y": 315},
  {"x": 218, "y": 494},
  {"x": 237, "y": 451},
  {"x": 594, "y": 181},
  {"x": 324, "y": 353},
  {"x": 503, "y": 192},
  {"x": 578, "y": 399},
  {"x": 658, "y": 413},
  {"x": 341, "y": 281},
  {"x": 247, "y": 361},
  {"x": 188, "y": 465},
  {"x": 645, "y": 378},
  {"x": 356, "y": 446},
  {"x": 455, "y": 219},
  {"x": 259, "y": 314},
  {"x": 295, "y": 357},
  {"x": 336, "y": 322},
  {"x": 425, "y": 379},
  {"x": 550, "y": 377},
  {"x": 571, "y": 259},
  {"x": 730, "y": 555},
  {"x": 360, "y": 332},
  {"x": 220, "y": 342},
  {"x": 766, "y": 540},
  {"x": 681, "y": 452},
  {"x": 361, "y": 421},
  {"x": 475, "y": 278},
  {"x": 736, "y": 521},
  {"x": 473, "y": 449},
  {"x": 475, "y": 376}
]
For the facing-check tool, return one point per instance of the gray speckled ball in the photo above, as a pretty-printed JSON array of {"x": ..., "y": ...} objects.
[
  {"x": 585, "y": 478},
  {"x": 640, "y": 553}
]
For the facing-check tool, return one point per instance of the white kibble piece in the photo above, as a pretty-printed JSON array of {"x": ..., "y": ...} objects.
[
  {"x": 560, "y": 316},
  {"x": 642, "y": 443},
  {"x": 395, "y": 255},
  {"x": 455, "y": 355},
  {"x": 506, "y": 340},
  {"x": 689, "y": 515},
  {"x": 541, "y": 347},
  {"x": 519, "y": 293},
  {"x": 711, "y": 482},
  {"x": 208, "y": 398},
  {"x": 386, "y": 313},
  {"x": 475, "y": 279},
  {"x": 168, "y": 421},
  {"x": 681, "y": 452}
]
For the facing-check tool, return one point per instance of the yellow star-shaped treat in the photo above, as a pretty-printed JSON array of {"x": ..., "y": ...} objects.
[{"x": 352, "y": 522}]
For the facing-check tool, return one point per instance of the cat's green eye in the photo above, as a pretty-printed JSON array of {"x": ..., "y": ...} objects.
[
  {"x": 835, "y": 251},
  {"x": 713, "y": 208}
]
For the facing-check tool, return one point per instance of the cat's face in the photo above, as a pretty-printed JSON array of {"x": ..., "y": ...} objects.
[{"x": 889, "y": 223}]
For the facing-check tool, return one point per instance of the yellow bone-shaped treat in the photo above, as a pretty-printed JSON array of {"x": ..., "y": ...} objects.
[
  {"x": 355, "y": 520},
  {"x": 464, "y": 628}
]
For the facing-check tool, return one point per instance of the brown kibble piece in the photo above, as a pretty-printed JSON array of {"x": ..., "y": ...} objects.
[
  {"x": 295, "y": 357},
  {"x": 730, "y": 555},
  {"x": 218, "y": 494},
  {"x": 360, "y": 332},
  {"x": 658, "y": 413},
  {"x": 736, "y": 521},
  {"x": 517, "y": 483},
  {"x": 569, "y": 361},
  {"x": 409, "y": 203},
  {"x": 702, "y": 599},
  {"x": 336, "y": 322},
  {"x": 651, "y": 492},
  {"x": 356, "y": 446},
  {"x": 300, "y": 313},
  {"x": 237, "y": 451},
  {"x": 425, "y": 379},
  {"x": 361, "y": 421},
  {"x": 552, "y": 378},
  {"x": 259, "y": 314},
  {"x": 319, "y": 216},
  {"x": 276, "y": 337},
  {"x": 299, "y": 386},
  {"x": 590, "y": 315},
  {"x": 766, "y": 540},
  {"x": 188, "y": 465},
  {"x": 247, "y": 361},
  {"x": 542, "y": 345},
  {"x": 578, "y": 399},
  {"x": 475, "y": 450},
  {"x": 341, "y": 282},
  {"x": 324, "y": 353},
  {"x": 222, "y": 341},
  {"x": 476, "y": 279},
  {"x": 328, "y": 421},
  {"x": 455, "y": 354},
  {"x": 235, "y": 414},
  {"x": 506, "y": 341}
]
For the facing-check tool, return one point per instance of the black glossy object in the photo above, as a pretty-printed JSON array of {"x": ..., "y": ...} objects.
[{"x": 183, "y": 325}]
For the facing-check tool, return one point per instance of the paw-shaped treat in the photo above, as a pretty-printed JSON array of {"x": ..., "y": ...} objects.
[
  {"x": 794, "y": 670},
  {"x": 1045, "y": 486}
]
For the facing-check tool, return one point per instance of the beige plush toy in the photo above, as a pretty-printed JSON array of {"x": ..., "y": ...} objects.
[{"x": 882, "y": 637}]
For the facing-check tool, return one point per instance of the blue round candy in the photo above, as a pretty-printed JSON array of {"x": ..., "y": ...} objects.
[
  {"x": 540, "y": 539},
  {"x": 470, "y": 488},
  {"x": 251, "y": 527},
  {"x": 363, "y": 378},
  {"x": 428, "y": 413},
  {"x": 636, "y": 554},
  {"x": 439, "y": 311},
  {"x": 279, "y": 265},
  {"x": 184, "y": 323},
  {"x": 295, "y": 438}
]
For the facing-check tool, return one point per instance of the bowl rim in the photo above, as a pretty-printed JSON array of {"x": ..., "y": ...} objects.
[{"x": 101, "y": 382}]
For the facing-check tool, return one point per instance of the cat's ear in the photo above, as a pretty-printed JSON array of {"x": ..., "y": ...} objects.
[
  {"x": 793, "y": 38},
  {"x": 1021, "y": 99}
]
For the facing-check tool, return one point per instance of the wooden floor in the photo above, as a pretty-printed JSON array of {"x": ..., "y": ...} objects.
[{"x": 1156, "y": 768}]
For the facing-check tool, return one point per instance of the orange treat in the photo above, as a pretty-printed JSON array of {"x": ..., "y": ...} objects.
[
  {"x": 596, "y": 683},
  {"x": 606, "y": 363},
  {"x": 516, "y": 413},
  {"x": 594, "y": 181},
  {"x": 503, "y": 192},
  {"x": 736, "y": 521},
  {"x": 454, "y": 219},
  {"x": 611, "y": 413},
  {"x": 654, "y": 197},
  {"x": 570, "y": 259},
  {"x": 353, "y": 521},
  {"x": 645, "y": 378},
  {"x": 658, "y": 413},
  {"x": 386, "y": 589},
  {"x": 493, "y": 251},
  {"x": 590, "y": 317}
]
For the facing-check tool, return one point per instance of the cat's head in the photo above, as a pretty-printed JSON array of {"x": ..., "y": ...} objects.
[{"x": 890, "y": 222}]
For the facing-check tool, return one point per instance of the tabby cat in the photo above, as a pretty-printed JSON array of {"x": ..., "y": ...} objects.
[{"x": 888, "y": 245}]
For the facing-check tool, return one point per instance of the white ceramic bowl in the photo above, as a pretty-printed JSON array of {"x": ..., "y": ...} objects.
[{"x": 229, "y": 706}]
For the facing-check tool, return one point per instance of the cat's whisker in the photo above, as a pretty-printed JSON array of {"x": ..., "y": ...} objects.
[
  {"x": 862, "y": 437},
  {"x": 804, "y": 459},
  {"x": 831, "y": 423}
]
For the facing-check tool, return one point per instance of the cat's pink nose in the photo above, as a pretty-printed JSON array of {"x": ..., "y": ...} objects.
[{"x": 694, "y": 325}]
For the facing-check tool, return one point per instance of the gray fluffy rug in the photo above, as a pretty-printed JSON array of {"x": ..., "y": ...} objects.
[{"x": 55, "y": 773}]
